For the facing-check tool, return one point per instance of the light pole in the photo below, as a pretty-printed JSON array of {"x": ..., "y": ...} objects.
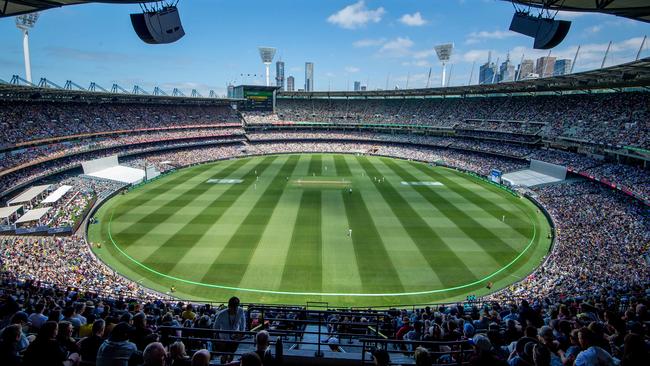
[
  {"x": 26, "y": 22},
  {"x": 444, "y": 54},
  {"x": 267, "y": 54}
]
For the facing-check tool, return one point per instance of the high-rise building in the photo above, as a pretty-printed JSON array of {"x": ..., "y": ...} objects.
[
  {"x": 231, "y": 91},
  {"x": 562, "y": 67},
  {"x": 357, "y": 86},
  {"x": 545, "y": 66},
  {"x": 291, "y": 83},
  {"x": 309, "y": 76},
  {"x": 279, "y": 74},
  {"x": 525, "y": 70},
  {"x": 506, "y": 71},
  {"x": 487, "y": 72}
]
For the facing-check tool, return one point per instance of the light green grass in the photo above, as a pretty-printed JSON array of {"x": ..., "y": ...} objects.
[{"x": 271, "y": 240}]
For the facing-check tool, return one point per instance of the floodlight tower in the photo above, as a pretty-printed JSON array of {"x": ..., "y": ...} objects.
[
  {"x": 444, "y": 54},
  {"x": 26, "y": 22},
  {"x": 267, "y": 53}
]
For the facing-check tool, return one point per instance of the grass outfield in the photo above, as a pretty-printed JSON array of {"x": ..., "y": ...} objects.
[{"x": 420, "y": 234}]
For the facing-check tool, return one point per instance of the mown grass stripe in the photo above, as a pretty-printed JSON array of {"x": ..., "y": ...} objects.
[
  {"x": 146, "y": 195},
  {"x": 190, "y": 234},
  {"x": 493, "y": 245},
  {"x": 315, "y": 165},
  {"x": 304, "y": 262},
  {"x": 233, "y": 261},
  {"x": 142, "y": 227},
  {"x": 517, "y": 223},
  {"x": 376, "y": 270},
  {"x": 440, "y": 257},
  {"x": 342, "y": 169}
]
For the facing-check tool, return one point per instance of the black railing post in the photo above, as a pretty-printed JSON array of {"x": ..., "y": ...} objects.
[
  {"x": 363, "y": 352},
  {"x": 319, "y": 353}
]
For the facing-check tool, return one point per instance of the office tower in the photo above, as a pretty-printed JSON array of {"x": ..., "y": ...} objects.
[
  {"x": 291, "y": 83},
  {"x": 562, "y": 67},
  {"x": 526, "y": 69},
  {"x": 279, "y": 74},
  {"x": 545, "y": 66},
  {"x": 487, "y": 71},
  {"x": 231, "y": 91},
  {"x": 309, "y": 76},
  {"x": 506, "y": 71},
  {"x": 357, "y": 86}
]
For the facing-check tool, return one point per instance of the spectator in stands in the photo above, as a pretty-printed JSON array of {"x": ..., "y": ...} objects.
[
  {"x": 635, "y": 351},
  {"x": 483, "y": 354},
  {"x": 201, "y": 358},
  {"x": 232, "y": 318},
  {"x": 154, "y": 355},
  {"x": 45, "y": 350},
  {"x": 89, "y": 346},
  {"x": 592, "y": 354},
  {"x": 422, "y": 357},
  {"x": 37, "y": 319},
  {"x": 380, "y": 357},
  {"x": 9, "y": 345},
  {"x": 264, "y": 352},
  {"x": 20, "y": 319},
  {"x": 250, "y": 359},
  {"x": 64, "y": 337},
  {"x": 117, "y": 350},
  {"x": 177, "y": 354},
  {"x": 141, "y": 335}
]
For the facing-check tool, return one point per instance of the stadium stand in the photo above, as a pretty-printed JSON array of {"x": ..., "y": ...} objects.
[{"x": 588, "y": 299}]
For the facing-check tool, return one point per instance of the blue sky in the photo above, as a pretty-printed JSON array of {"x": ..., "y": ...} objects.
[{"x": 370, "y": 41}]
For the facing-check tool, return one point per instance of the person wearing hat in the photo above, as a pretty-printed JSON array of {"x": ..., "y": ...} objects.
[
  {"x": 117, "y": 350},
  {"x": 483, "y": 355}
]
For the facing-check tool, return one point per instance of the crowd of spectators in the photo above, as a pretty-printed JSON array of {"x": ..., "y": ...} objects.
[
  {"x": 22, "y": 121},
  {"x": 610, "y": 118}
]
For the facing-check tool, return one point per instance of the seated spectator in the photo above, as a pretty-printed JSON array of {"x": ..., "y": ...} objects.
[
  {"x": 380, "y": 357},
  {"x": 264, "y": 352},
  {"x": 37, "y": 319},
  {"x": 141, "y": 335},
  {"x": 117, "y": 350},
  {"x": 483, "y": 354},
  {"x": 45, "y": 350},
  {"x": 89, "y": 346},
  {"x": 9, "y": 345},
  {"x": 250, "y": 359},
  {"x": 154, "y": 355},
  {"x": 201, "y": 358},
  {"x": 592, "y": 354},
  {"x": 177, "y": 354},
  {"x": 64, "y": 337}
]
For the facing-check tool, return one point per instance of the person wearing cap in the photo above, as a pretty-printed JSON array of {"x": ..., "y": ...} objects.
[
  {"x": 233, "y": 319},
  {"x": 117, "y": 350},
  {"x": 483, "y": 355}
]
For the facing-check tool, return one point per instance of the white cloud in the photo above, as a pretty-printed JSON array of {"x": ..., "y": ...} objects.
[
  {"x": 413, "y": 20},
  {"x": 476, "y": 37},
  {"x": 352, "y": 69},
  {"x": 424, "y": 53},
  {"x": 356, "y": 15},
  {"x": 398, "y": 47},
  {"x": 595, "y": 29},
  {"x": 369, "y": 42}
]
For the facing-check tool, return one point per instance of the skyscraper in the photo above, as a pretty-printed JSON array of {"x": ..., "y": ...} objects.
[
  {"x": 309, "y": 76},
  {"x": 279, "y": 74},
  {"x": 506, "y": 71},
  {"x": 525, "y": 70},
  {"x": 562, "y": 67},
  {"x": 545, "y": 66},
  {"x": 231, "y": 91},
  {"x": 487, "y": 71},
  {"x": 357, "y": 86},
  {"x": 291, "y": 83}
]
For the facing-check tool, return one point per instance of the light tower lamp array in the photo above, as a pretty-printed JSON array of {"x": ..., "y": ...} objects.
[
  {"x": 26, "y": 22},
  {"x": 267, "y": 54}
]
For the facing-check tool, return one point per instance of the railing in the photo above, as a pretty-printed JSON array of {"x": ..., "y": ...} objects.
[{"x": 456, "y": 354}]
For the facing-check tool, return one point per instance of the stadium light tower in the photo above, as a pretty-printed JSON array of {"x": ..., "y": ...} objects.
[
  {"x": 26, "y": 22},
  {"x": 444, "y": 54},
  {"x": 267, "y": 54}
]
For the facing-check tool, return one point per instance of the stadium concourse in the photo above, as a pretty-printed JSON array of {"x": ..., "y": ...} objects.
[{"x": 588, "y": 299}]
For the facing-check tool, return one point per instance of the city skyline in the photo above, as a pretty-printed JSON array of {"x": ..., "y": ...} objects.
[{"x": 373, "y": 41}]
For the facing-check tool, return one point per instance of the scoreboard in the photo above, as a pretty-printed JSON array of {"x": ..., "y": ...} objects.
[{"x": 255, "y": 97}]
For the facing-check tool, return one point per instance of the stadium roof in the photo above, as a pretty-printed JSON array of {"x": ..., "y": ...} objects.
[
  {"x": 16, "y": 7},
  {"x": 633, "y": 9},
  {"x": 632, "y": 74}
]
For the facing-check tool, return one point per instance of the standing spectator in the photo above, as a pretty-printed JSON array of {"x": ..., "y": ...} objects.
[{"x": 231, "y": 319}]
